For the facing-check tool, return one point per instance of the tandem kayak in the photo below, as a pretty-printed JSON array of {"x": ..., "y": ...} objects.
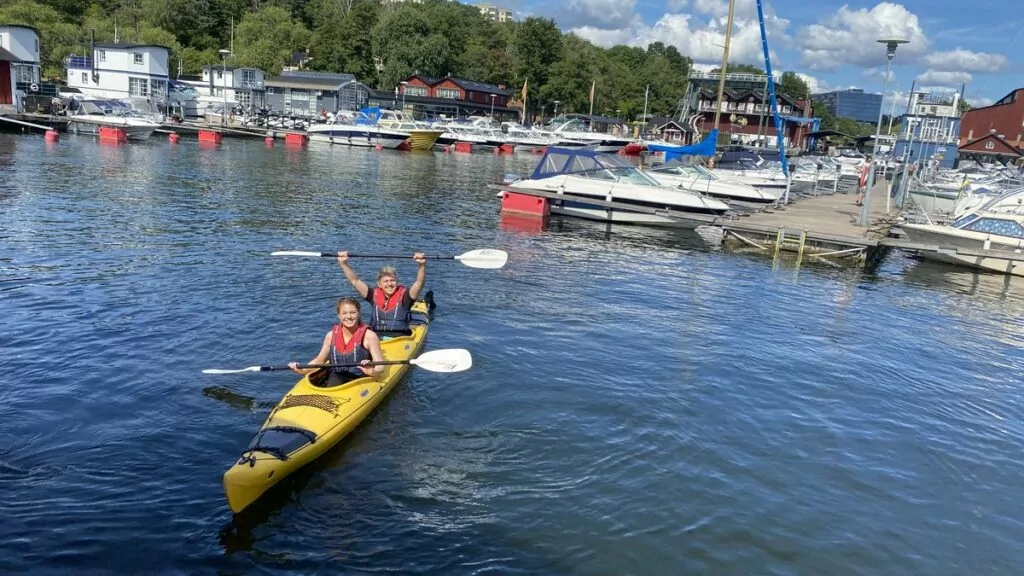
[{"x": 310, "y": 419}]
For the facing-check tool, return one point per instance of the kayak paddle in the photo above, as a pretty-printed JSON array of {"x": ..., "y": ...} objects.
[
  {"x": 447, "y": 360},
  {"x": 483, "y": 258}
]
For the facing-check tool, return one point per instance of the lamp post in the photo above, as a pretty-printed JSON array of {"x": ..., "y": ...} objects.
[
  {"x": 890, "y": 53},
  {"x": 224, "y": 53},
  {"x": 493, "y": 96},
  {"x": 557, "y": 102}
]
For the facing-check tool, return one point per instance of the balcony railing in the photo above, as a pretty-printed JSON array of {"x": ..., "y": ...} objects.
[{"x": 79, "y": 62}]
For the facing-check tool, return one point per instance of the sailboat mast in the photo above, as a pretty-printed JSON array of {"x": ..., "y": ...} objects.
[{"x": 725, "y": 61}]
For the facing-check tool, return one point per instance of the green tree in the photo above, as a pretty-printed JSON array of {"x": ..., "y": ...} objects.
[
  {"x": 405, "y": 45},
  {"x": 537, "y": 46},
  {"x": 740, "y": 69},
  {"x": 58, "y": 37},
  {"x": 343, "y": 43},
  {"x": 267, "y": 38},
  {"x": 792, "y": 85}
]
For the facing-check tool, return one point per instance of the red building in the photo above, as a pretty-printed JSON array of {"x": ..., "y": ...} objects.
[
  {"x": 454, "y": 88},
  {"x": 1006, "y": 117},
  {"x": 744, "y": 113}
]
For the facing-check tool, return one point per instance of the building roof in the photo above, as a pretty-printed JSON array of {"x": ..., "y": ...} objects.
[
  {"x": 228, "y": 68},
  {"x": 36, "y": 30},
  {"x": 6, "y": 56},
  {"x": 307, "y": 83},
  {"x": 127, "y": 46},
  {"x": 999, "y": 146}
]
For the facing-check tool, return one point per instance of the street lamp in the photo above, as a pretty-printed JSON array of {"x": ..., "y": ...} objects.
[
  {"x": 890, "y": 53},
  {"x": 493, "y": 96},
  {"x": 557, "y": 102},
  {"x": 224, "y": 53},
  {"x": 403, "y": 84}
]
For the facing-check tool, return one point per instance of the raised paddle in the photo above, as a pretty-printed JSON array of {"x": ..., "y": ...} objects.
[
  {"x": 483, "y": 258},
  {"x": 447, "y": 360}
]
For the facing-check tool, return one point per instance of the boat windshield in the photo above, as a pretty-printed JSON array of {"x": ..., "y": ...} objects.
[{"x": 589, "y": 164}]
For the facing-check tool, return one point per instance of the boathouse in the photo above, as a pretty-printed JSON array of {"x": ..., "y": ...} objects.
[
  {"x": 427, "y": 97},
  {"x": 118, "y": 70},
  {"x": 243, "y": 84},
  {"x": 991, "y": 147},
  {"x": 306, "y": 93},
  {"x": 22, "y": 42}
]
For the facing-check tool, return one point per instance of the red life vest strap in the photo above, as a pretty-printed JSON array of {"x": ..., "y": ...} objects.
[
  {"x": 388, "y": 304},
  {"x": 348, "y": 347}
]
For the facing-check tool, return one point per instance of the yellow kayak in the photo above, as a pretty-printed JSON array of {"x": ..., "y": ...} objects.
[{"x": 311, "y": 419}]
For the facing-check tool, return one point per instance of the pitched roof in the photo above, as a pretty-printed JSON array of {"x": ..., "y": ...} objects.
[
  {"x": 471, "y": 85},
  {"x": 8, "y": 57},
  {"x": 999, "y": 146},
  {"x": 127, "y": 46}
]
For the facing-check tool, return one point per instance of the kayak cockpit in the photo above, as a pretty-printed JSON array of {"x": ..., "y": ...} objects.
[{"x": 278, "y": 442}]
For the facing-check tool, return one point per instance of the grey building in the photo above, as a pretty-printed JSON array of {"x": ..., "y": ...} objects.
[
  {"x": 306, "y": 93},
  {"x": 853, "y": 103}
]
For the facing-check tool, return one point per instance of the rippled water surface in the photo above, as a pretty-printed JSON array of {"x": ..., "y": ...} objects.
[{"x": 639, "y": 403}]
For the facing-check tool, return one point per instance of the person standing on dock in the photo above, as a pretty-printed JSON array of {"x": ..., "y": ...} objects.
[
  {"x": 391, "y": 302},
  {"x": 862, "y": 183}
]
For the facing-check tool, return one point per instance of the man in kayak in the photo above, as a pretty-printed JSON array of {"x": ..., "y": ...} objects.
[
  {"x": 391, "y": 302},
  {"x": 349, "y": 342}
]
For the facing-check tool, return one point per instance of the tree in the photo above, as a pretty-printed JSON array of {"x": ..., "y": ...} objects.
[
  {"x": 403, "y": 41},
  {"x": 739, "y": 69},
  {"x": 537, "y": 46},
  {"x": 792, "y": 85},
  {"x": 267, "y": 38}
]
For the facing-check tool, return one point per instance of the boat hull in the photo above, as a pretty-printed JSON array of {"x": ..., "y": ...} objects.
[
  {"x": 944, "y": 248},
  {"x": 134, "y": 132},
  {"x": 617, "y": 216},
  {"x": 310, "y": 419},
  {"x": 359, "y": 138},
  {"x": 423, "y": 139}
]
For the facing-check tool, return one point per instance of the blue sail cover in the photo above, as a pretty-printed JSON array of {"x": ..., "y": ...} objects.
[{"x": 705, "y": 147}]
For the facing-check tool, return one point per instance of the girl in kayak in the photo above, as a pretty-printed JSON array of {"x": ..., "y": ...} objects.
[
  {"x": 391, "y": 302},
  {"x": 348, "y": 342}
]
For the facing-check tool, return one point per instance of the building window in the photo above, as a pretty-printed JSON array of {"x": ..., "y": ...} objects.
[
  {"x": 138, "y": 87},
  {"x": 244, "y": 98},
  {"x": 417, "y": 91},
  {"x": 158, "y": 89},
  {"x": 85, "y": 77},
  {"x": 102, "y": 55},
  {"x": 448, "y": 93},
  {"x": 137, "y": 57},
  {"x": 23, "y": 73},
  {"x": 220, "y": 74}
]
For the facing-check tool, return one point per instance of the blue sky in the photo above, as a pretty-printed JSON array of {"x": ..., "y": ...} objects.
[{"x": 832, "y": 44}]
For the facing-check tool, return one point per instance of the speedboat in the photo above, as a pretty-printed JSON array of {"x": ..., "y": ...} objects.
[
  {"x": 421, "y": 135},
  {"x": 356, "y": 129},
  {"x": 580, "y": 128},
  {"x": 997, "y": 225},
  {"x": 584, "y": 176},
  {"x": 700, "y": 179},
  {"x": 89, "y": 115}
]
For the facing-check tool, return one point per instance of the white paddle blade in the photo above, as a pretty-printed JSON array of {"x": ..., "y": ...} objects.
[
  {"x": 294, "y": 253},
  {"x": 484, "y": 258},
  {"x": 452, "y": 360},
  {"x": 220, "y": 371}
]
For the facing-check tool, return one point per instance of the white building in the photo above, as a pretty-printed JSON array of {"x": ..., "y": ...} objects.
[
  {"x": 242, "y": 84},
  {"x": 121, "y": 71},
  {"x": 495, "y": 13},
  {"x": 23, "y": 44}
]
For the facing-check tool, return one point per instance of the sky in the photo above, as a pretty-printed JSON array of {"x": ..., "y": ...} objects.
[{"x": 832, "y": 45}]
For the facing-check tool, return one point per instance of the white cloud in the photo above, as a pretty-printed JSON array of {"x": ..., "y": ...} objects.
[
  {"x": 588, "y": 13},
  {"x": 848, "y": 37},
  {"x": 943, "y": 77},
  {"x": 959, "y": 60},
  {"x": 699, "y": 38},
  {"x": 979, "y": 101},
  {"x": 816, "y": 85}
]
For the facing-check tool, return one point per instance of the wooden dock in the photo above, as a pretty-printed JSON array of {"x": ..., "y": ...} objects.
[{"x": 820, "y": 226}]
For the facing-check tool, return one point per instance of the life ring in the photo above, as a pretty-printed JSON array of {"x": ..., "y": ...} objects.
[
  {"x": 864, "y": 176},
  {"x": 33, "y": 87}
]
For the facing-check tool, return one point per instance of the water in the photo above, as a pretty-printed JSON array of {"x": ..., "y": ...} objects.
[{"x": 639, "y": 403}]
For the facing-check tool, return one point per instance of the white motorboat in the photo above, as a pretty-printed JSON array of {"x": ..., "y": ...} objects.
[
  {"x": 89, "y": 115},
  {"x": 580, "y": 128},
  {"x": 356, "y": 129},
  {"x": 583, "y": 174},
  {"x": 993, "y": 232},
  {"x": 700, "y": 179}
]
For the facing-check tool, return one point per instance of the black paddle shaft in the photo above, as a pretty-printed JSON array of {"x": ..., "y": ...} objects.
[
  {"x": 335, "y": 255},
  {"x": 381, "y": 363}
]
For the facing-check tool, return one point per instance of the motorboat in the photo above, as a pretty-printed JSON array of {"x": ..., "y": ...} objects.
[
  {"x": 356, "y": 129},
  {"x": 700, "y": 179},
  {"x": 580, "y": 128},
  {"x": 583, "y": 176},
  {"x": 993, "y": 232},
  {"x": 88, "y": 115},
  {"x": 421, "y": 135}
]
